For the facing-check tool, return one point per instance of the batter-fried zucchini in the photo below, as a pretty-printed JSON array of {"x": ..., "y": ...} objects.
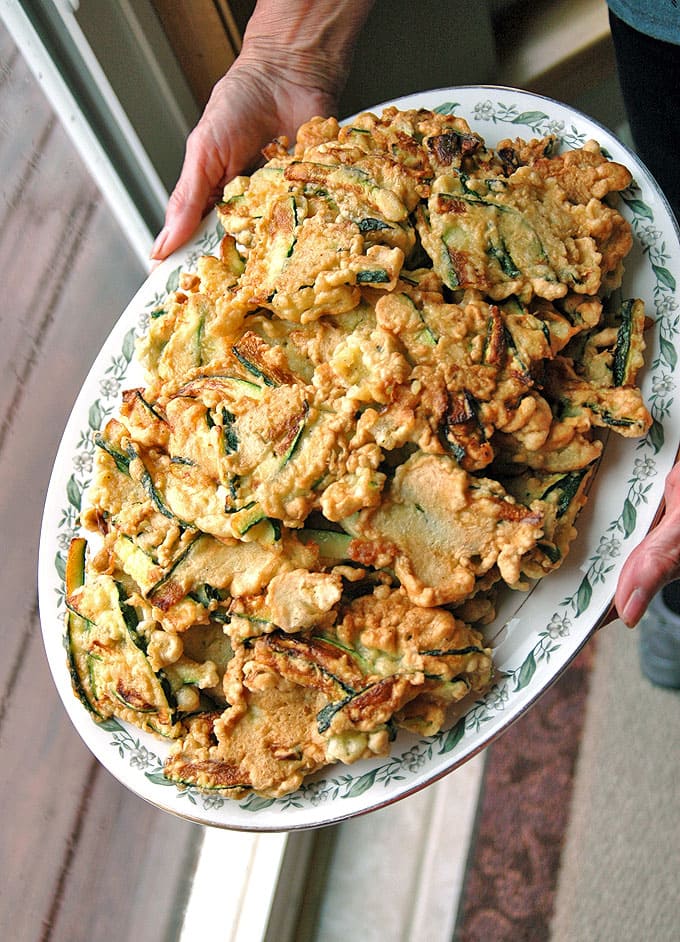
[{"x": 108, "y": 658}]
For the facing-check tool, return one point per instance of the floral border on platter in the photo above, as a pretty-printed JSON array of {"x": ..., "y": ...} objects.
[{"x": 558, "y": 627}]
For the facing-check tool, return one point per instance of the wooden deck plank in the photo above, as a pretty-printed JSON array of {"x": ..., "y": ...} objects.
[
  {"x": 43, "y": 777},
  {"x": 41, "y": 234},
  {"x": 25, "y": 337}
]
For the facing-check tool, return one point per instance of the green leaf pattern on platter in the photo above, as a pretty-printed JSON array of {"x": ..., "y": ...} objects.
[
  {"x": 664, "y": 310},
  {"x": 446, "y": 107},
  {"x": 453, "y": 737}
]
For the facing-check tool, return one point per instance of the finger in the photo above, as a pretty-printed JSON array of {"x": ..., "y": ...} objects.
[
  {"x": 184, "y": 212},
  {"x": 194, "y": 193},
  {"x": 654, "y": 563}
]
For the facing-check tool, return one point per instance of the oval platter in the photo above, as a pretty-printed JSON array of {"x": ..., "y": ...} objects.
[{"x": 535, "y": 636}]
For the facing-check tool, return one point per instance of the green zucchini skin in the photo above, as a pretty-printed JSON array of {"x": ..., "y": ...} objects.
[
  {"x": 369, "y": 224},
  {"x": 333, "y": 545},
  {"x": 157, "y": 591},
  {"x": 295, "y": 440},
  {"x": 230, "y": 440},
  {"x": 248, "y": 517},
  {"x": 372, "y": 276},
  {"x": 122, "y": 461},
  {"x": 76, "y": 625},
  {"x": 251, "y": 367},
  {"x": 138, "y": 470},
  {"x": 222, "y": 382},
  {"x": 629, "y": 343},
  {"x": 567, "y": 487}
]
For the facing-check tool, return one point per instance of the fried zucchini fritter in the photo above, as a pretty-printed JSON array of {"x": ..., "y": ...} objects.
[
  {"x": 441, "y": 529},
  {"x": 298, "y": 703}
]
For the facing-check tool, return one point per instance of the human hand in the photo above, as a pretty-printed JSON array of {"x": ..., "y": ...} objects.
[
  {"x": 655, "y": 562},
  {"x": 292, "y": 66},
  {"x": 247, "y": 109}
]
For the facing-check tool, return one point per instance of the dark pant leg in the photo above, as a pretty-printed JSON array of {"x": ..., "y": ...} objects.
[{"x": 649, "y": 76}]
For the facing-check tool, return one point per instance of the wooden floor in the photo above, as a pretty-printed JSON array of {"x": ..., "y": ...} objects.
[{"x": 81, "y": 859}]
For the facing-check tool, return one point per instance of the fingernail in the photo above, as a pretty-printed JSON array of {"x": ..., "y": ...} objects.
[
  {"x": 161, "y": 239},
  {"x": 634, "y": 608}
]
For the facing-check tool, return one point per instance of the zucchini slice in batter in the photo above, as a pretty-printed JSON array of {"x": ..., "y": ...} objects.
[{"x": 108, "y": 662}]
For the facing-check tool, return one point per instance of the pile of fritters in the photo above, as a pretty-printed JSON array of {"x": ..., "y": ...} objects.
[{"x": 371, "y": 410}]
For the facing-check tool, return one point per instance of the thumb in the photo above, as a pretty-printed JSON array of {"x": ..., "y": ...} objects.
[
  {"x": 184, "y": 212},
  {"x": 195, "y": 192}
]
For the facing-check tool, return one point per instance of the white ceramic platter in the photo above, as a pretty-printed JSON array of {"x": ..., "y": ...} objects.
[{"x": 536, "y": 635}]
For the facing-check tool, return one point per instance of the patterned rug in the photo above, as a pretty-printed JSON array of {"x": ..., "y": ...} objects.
[{"x": 523, "y": 814}]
